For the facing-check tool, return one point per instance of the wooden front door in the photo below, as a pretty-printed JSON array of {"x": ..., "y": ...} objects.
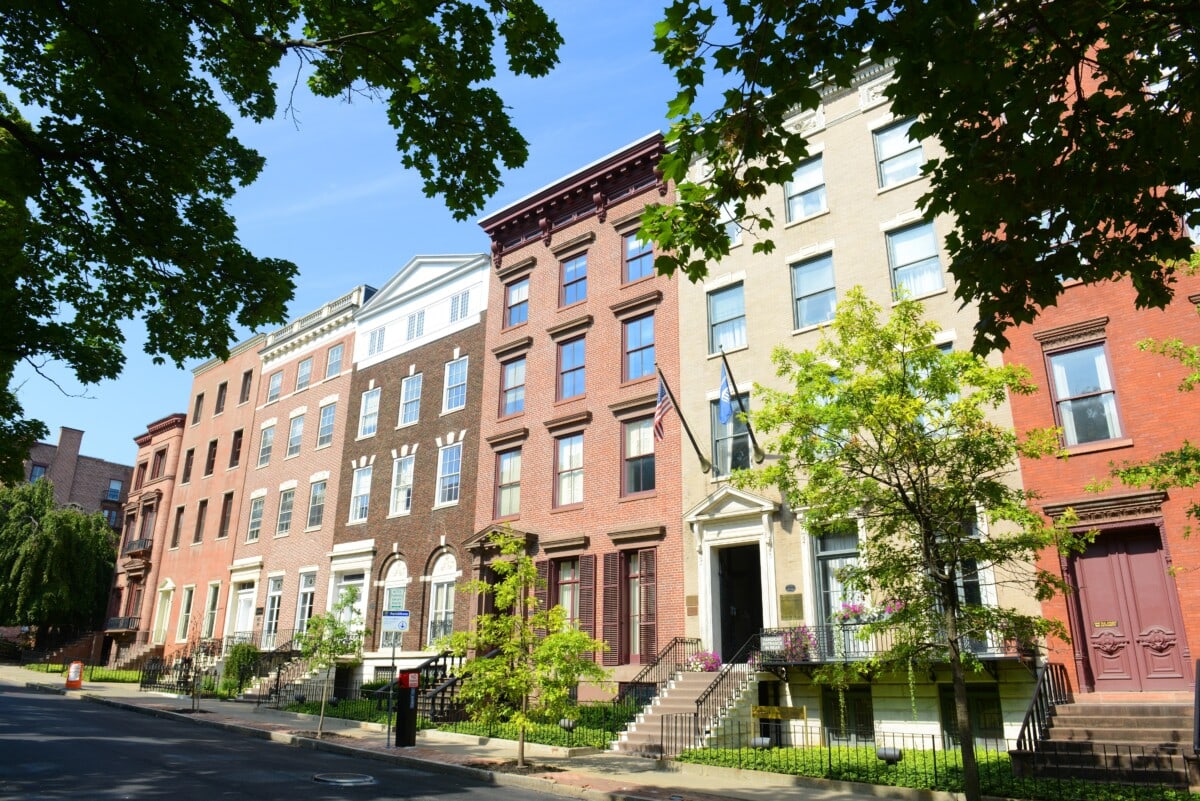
[{"x": 1131, "y": 628}]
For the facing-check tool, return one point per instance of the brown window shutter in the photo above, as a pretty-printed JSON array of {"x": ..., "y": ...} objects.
[
  {"x": 613, "y": 624},
  {"x": 649, "y": 628},
  {"x": 587, "y": 594},
  {"x": 542, "y": 591}
]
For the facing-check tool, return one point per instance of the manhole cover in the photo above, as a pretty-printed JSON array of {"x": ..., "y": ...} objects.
[{"x": 344, "y": 779}]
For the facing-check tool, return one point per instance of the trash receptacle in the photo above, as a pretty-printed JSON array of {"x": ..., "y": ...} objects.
[{"x": 407, "y": 685}]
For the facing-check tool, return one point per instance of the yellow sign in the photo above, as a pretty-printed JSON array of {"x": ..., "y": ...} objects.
[
  {"x": 780, "y": 712},
  {"x": 1104, "y": 624}
]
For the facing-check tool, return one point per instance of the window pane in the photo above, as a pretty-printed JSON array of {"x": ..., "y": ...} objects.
[
  {"x": 516, "y": 305},
  {"x": 570, "y": 470},
  {"x": 325, "y": 429},
  {"x": 813, "y": 284},
  {"x": 727, "y": 319},
  {"x": 456, "y": 385},
  {"x": 639, "y": 258},
  {"x": 513, "y": 400},
  {"x": 639, "y": 347},
  {"x": 914, "y": 256},
  {"x": 410, "y": 399},
  {"x": 574, "y": 274},
  {"x": 368, "y": 420},
  {"x": 449, "y": 470}
]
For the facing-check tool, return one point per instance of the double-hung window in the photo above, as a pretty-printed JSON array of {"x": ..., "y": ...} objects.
[
  {"x": 806, "y": 191},
  {"x": 639, "y": 258},
  {"x": 333, "y": 361},
  {"x": 222, "y": 391},
  {"x": 375, "y": 340},
  {"x": 303, "y": 373},
  {"x": 639, "y": 347},
  {"x": 897, "y": 156},
  {"x": 574, "y": 280},
  {"x": 402, "y": 485},
  {"x": 568, "y": 468},
  {"x": 1085, "y": 401},
  {"x": 274, "y": 386},
  {"x": 913, "y": 256},
  {"x": 410, "y": 399},
  {"x": 235, "y": 448},
  {"x": 731, "y": 440},
  {"x": 571, "y": 368},
  {"x": 360, "y": 494},
  {"x": 316, "y": 504},
  {"x": 455, "y": 395},
  {"x": 512, "y": 387},
  {"x": 813, "y": 291},
  {"x": 325, "y": 425},
  {"x": 726, "y": 319},
  {"x": 415, "y": 326},
  {"x": 639, "y": 457},
  {"x": 516, "y": 303},
  {"x": 256, "y": 518},
  {"x": 283, "y": 523},
  {"x": 368, "y": 415},
  {"x": 508, "y": 483},
  {"x": 460, "y": 304},
  {"x": 449, "y": 481},
  {"x": 210, "y": 460},
  {"x": 295, "y": 435},
  {"x": 267, "y": 438},
  {"x": 201, "y": 519}
]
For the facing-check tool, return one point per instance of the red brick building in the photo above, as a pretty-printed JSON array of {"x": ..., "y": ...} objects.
[
  {"x": 1114, "y": 404},
  {"x": 145, "y": 524},
  {"x": 278, "y": 571},
  {"x": 577, "y": 322}
]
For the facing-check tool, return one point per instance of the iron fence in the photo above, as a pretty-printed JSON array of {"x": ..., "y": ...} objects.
[{"x": 1058, "y": 772}]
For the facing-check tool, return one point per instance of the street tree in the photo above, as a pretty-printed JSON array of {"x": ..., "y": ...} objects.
[
  {"x": 117, "y": 156},
  {"x": 56, "y": 564},
  {"x": 333, "y": 638},
  {"x": 1069, "y": 131},
  {"x": 527, "y": 659},
  {"x": 881, "y": 429}
]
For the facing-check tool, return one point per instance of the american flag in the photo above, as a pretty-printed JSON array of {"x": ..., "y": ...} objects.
[{"x": 660, "y": 410}]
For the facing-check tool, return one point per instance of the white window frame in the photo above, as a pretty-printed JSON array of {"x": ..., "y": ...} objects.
[
  {"x": 254, "y": 528},
  {"x": 316, "y": 503},
  {"x": 304, "y": 373},
  {"x": 414, "y": 326},
  {"x": 295, "y": 436},
  {"x": 274, "y": 386},
  {"x": 368, "y": 413},
  {"x": 325, "y": 424},
  {"x": 266, "y": 440},
  {"x": 402, "y": 484},
  {"x": 287, "y": 502},
  {"x": 375, "y": 340},
  {"x": 360, "y": 494},
  {"x": 447, "y": 387},
  {"x": 410, "y": 399},
  {"x": 449, "y": 474},
  {"x": 807, "y": 183}
]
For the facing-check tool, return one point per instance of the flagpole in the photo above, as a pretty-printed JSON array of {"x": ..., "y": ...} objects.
[
  {"x": 705, "y": 465},
  {"x": 759, "y": 456}
]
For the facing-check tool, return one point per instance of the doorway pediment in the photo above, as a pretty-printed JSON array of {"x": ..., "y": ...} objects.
[{"x": 728, "y": 503}]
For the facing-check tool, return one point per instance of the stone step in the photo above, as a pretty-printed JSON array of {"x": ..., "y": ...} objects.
[
  {"x": 1092, "y": 746},
  {"x": 1118, "y": 721},
  {"x": 1120, "y": 735},
  {"x": 1125, "y": 710}
]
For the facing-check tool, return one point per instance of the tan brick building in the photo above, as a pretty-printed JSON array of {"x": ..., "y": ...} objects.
[
  {"x": 577, "y": 322},
  {"x": 850, "y": 216}
]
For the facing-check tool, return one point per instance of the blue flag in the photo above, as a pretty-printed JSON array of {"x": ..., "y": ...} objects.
[{"x": 725, "y": 405}]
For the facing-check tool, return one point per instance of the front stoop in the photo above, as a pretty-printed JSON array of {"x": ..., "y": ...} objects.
[
  {"x": 643, "y": 737},
  {"x": 1123, "y": 738}
]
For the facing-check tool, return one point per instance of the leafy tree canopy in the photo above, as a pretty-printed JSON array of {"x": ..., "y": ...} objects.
[
  {"x": 1069, "y": 129},
  {"x": 56, "y": 565},
  {"x": 117, "y": 156},
  {"x": 880, "y": 428},
  {"x": 331, "y": 639},
  {"x": 528, "y": 660}
]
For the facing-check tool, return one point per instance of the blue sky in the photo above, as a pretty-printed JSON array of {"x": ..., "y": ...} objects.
[{"x": 335, "y": 200}]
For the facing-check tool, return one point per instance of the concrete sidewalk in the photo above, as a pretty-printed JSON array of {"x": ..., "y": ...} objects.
[{"x": 577, "y": 773}]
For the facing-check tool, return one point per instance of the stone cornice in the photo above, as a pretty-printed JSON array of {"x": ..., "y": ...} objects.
[
  {"x": 1073, "y": 334},
  {"x": 1112, "y": 509}
]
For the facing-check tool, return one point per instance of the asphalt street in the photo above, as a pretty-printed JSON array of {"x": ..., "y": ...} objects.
[{"x": 52, "y": 747}]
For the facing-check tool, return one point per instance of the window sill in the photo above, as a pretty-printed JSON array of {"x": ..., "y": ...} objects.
[
  {"x": 504, "y": 329},
  {"x": 362, "y": 522},
  {"x": 361, "y": 437},
  {"x": 899, "y": 184},
  {"x": 311, "y": 528},
  {"x": 406, "y": 425},
  {"x": 281, "y": 536},
  {"x": 637, "y": 496},
  {"x": 323, "y": 447},
  {"x": 570, "y": 507},
  {"x": 824, "y": 212},
  {"x": 639, "y": 380},
  {"x": 394, "y": 515},
  {"x": 1102, "y": 445},
  {"x": 506, "y": 417},
  {"x": 448, "y": 505},
  {"x": 806, "y": 329},
  {"x": 452, "y": 411},
  {"x": 507, "y": 518},
  {"x": 717, "y": 354},
  {"x": 290, "y": 456},
  {"x": 927, "y": 295},
  {"x": 637, "y": 281},
  {"x": 572, "y": 399}
]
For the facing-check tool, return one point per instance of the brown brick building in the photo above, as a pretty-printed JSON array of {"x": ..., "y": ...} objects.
[
  {"x": 1114, "y": 404},
  {"x": 93, "y": 485},
  {"x": 407, "y": 487},
  {"x": 577, "y": 322}
]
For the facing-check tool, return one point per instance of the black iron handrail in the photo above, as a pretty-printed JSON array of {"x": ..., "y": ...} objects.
[
  {"x": 122, "y": 623},
  {"x": 711, "y": 703},
  {"x": 1052, "y": 688},
  {"x": 137, "y": 545},
  {"x": 849, "y": 642},
  {"x": 650, "y": 679},
  {"x": 1196, "y": 711},
  {"x": 440, "y": 702}
]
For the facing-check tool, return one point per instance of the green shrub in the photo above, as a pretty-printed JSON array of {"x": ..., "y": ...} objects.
[{"x": 240, "y": 663}]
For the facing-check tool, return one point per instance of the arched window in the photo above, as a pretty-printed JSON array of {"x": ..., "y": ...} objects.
[
  {"x": 441, "y": 594},
  {"x": 395, "y": 599}
]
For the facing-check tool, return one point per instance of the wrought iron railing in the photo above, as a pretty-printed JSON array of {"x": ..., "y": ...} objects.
[
  {"x": 713, "y": 702},
  {"x": 438, "y": 700},
  {"x": 122, "y": 624},
  {"x": 135, "y": 546},
  {"x": 643, "y": 687},
  {"x": 849, "y": 642},
  {"x": 1052, "y": 688}
]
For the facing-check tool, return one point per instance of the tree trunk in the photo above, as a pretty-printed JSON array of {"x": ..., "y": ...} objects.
[
  {"x": 324, "y": 695},
  {"x": 521, "y": 733},
  {"x": 962, "y": 710}
]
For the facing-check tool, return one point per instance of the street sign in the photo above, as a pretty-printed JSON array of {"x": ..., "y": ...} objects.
[{"x": 395, "y": 621}]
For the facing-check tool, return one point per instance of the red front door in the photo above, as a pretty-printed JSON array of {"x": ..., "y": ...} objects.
[{"x": 1132, "y": 632}]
